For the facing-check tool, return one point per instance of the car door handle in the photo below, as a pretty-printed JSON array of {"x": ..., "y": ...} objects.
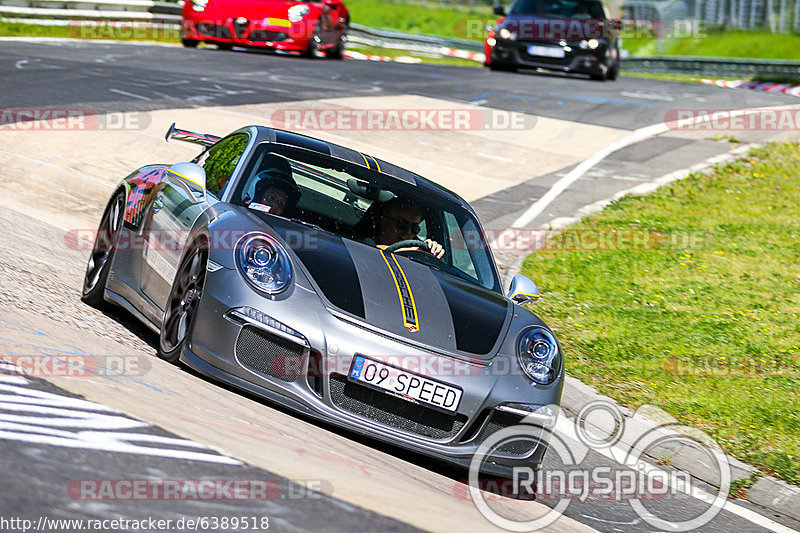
[{"x": 158, "y": 204}]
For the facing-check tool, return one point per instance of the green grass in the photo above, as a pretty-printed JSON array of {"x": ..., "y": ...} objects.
[
  {"x": 119, "y": 32},
  {"x": 719, "y": 283},
  {"x": 730, "y": 43},
  {"x": 433, "y": 20}
]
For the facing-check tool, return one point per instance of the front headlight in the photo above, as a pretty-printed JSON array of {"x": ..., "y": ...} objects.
[
  {"x": 263, "y": 262},
  {"x": 504, "y": 33},
  {"x": 199, "y": 5},
  {"x": 591, "y": 43},
  {"x": 296, "y": 13},
  {"x": 539, "y": 355}
]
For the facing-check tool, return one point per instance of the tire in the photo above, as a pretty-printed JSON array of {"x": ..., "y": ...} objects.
[
  {"x": 103, "y": 251},
  {"x": 183, "y": 302},
  {"x": 501, "y": 67},
  {"x": 224, "y": 47},
  {"x": 189, "y": 43},
  {"x": 338, "y": 52},
  {"x": 312, "y": 52},
  {"x": 599, "y": 77},
  {"x": 613, "y": 73}
]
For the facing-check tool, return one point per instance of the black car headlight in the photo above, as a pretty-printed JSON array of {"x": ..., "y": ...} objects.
[
  {"x": 539, "y": 355},
  {"x": 263, "y": 262}
]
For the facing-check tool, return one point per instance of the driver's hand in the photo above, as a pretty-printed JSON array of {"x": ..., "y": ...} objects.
[{"x": 436, "y": 249}]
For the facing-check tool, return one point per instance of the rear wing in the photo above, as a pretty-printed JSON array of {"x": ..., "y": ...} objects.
[{"x": 205, "y": 139}]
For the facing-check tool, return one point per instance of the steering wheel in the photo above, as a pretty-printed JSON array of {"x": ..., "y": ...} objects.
[{"x": 410, "y": 243}]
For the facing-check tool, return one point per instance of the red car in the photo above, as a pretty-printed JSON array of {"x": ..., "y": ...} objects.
[{"x": 304, "y": 27}]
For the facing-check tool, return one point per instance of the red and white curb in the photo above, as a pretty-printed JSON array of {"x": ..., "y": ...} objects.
[
  {"x": 767, "y": 86},
  {"x": 368, "y": 57},
  {"x": 452, "y": 52}
]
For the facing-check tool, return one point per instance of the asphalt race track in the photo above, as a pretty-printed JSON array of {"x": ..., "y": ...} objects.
[{"x": 139, "y": 418}]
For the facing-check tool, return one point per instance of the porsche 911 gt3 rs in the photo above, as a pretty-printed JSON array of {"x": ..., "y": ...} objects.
[{"x": 291, "y": 303}]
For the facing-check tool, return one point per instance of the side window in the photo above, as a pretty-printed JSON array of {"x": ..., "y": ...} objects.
[
  {"x": 220, "y": 160},
  {"x": 460, "y": 244}
]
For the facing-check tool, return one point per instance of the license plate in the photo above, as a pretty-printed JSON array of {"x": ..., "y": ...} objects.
[
  {"x": 546, "y": 51},
  {"x": 407, "y": 385}
]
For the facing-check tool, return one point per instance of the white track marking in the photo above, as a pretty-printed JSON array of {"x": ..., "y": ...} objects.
[
  {"x": 124, "y": 93},
  {"x": 566, "y": 429},
  {"x": 572, "y": 176}
]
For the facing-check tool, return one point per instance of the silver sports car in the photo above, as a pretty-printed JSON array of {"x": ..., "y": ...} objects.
[{"x": 335, "y": 284}]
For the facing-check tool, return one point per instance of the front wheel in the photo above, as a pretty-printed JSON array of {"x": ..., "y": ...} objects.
[
  {"x": 338, "y": 51},
  {"x": 183, "y": 302},
  {"x": 189, "y": 43},
  {"x": 103, "y": 250},
  {"x": 313, "y": 44},
  {"x": 613, "y": 72}
]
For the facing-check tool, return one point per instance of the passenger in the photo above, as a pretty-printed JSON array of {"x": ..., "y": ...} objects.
[{"x": 275, "y": 187}]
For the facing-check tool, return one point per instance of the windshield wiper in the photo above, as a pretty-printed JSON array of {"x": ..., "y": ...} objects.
[{"x": 308, "y": 224}]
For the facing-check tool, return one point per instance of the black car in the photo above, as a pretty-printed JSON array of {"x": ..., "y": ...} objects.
[{"x": 566, "y": 35}]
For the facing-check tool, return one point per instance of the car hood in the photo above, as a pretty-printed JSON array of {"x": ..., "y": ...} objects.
[
  {"x": 256, "y": 9},
  {"x": 400, "y": 296},
  {"x": 531, "y": 28}
]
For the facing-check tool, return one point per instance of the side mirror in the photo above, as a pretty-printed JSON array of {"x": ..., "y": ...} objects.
[
  {"x": 616, "y": 24},
  {"x": 522, "y": 290},
  {"x": 191, "y": 175},
  {"x": 499, "y": 10}
]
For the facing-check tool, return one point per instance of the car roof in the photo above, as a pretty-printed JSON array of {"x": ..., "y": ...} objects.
[{"x": 277, "y": 136}]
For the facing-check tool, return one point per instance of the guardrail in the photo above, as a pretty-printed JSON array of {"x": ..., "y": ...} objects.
[
  {"x": 713, "y": 66},
  {"x": 53, "y": 11},
  {"x": 155, "y": 11},
  {"x": 392, "y": 38}
]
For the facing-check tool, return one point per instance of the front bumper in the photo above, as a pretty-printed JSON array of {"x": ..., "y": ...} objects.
[
  {"x": 309, "y": 374},
  {"x": 249, "y": 34},
  {"x": 575, "y": 60}
]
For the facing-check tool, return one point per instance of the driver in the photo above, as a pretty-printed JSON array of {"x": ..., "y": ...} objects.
[{"x": 397, "y": 220}]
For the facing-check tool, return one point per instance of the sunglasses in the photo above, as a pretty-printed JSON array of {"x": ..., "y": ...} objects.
[{"x": 406, "y": 225}]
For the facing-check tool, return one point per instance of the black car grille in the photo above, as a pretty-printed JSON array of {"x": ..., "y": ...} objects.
[
  {"x": 263, "y": 36},
  {"x": 499, "y": 421},
  {"x": 240, "y": 28},
  {"x": 393, "y": 411},
  {"x": 214, "y": 30},
  {"x": 268, "y": 354}
]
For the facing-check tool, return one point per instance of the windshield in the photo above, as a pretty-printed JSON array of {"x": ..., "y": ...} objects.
[
  {"x": 351, "y": 201},
  {"x": 557, "y": 9}
]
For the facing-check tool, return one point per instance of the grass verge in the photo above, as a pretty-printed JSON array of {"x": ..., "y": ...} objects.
[
  {"x": 729, "y": 43},
  {"x": 416, "y": 18},
  {"x": 700, "y": 320}
]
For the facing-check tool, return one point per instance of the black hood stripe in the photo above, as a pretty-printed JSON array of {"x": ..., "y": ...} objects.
[{"x": 407, "y": 304}]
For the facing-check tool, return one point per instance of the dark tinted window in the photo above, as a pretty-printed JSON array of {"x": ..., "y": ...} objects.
[{"x": 220, "y": 160}]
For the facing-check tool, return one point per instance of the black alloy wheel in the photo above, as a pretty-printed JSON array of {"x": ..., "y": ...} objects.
[{"x": 183, "y": 301}]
